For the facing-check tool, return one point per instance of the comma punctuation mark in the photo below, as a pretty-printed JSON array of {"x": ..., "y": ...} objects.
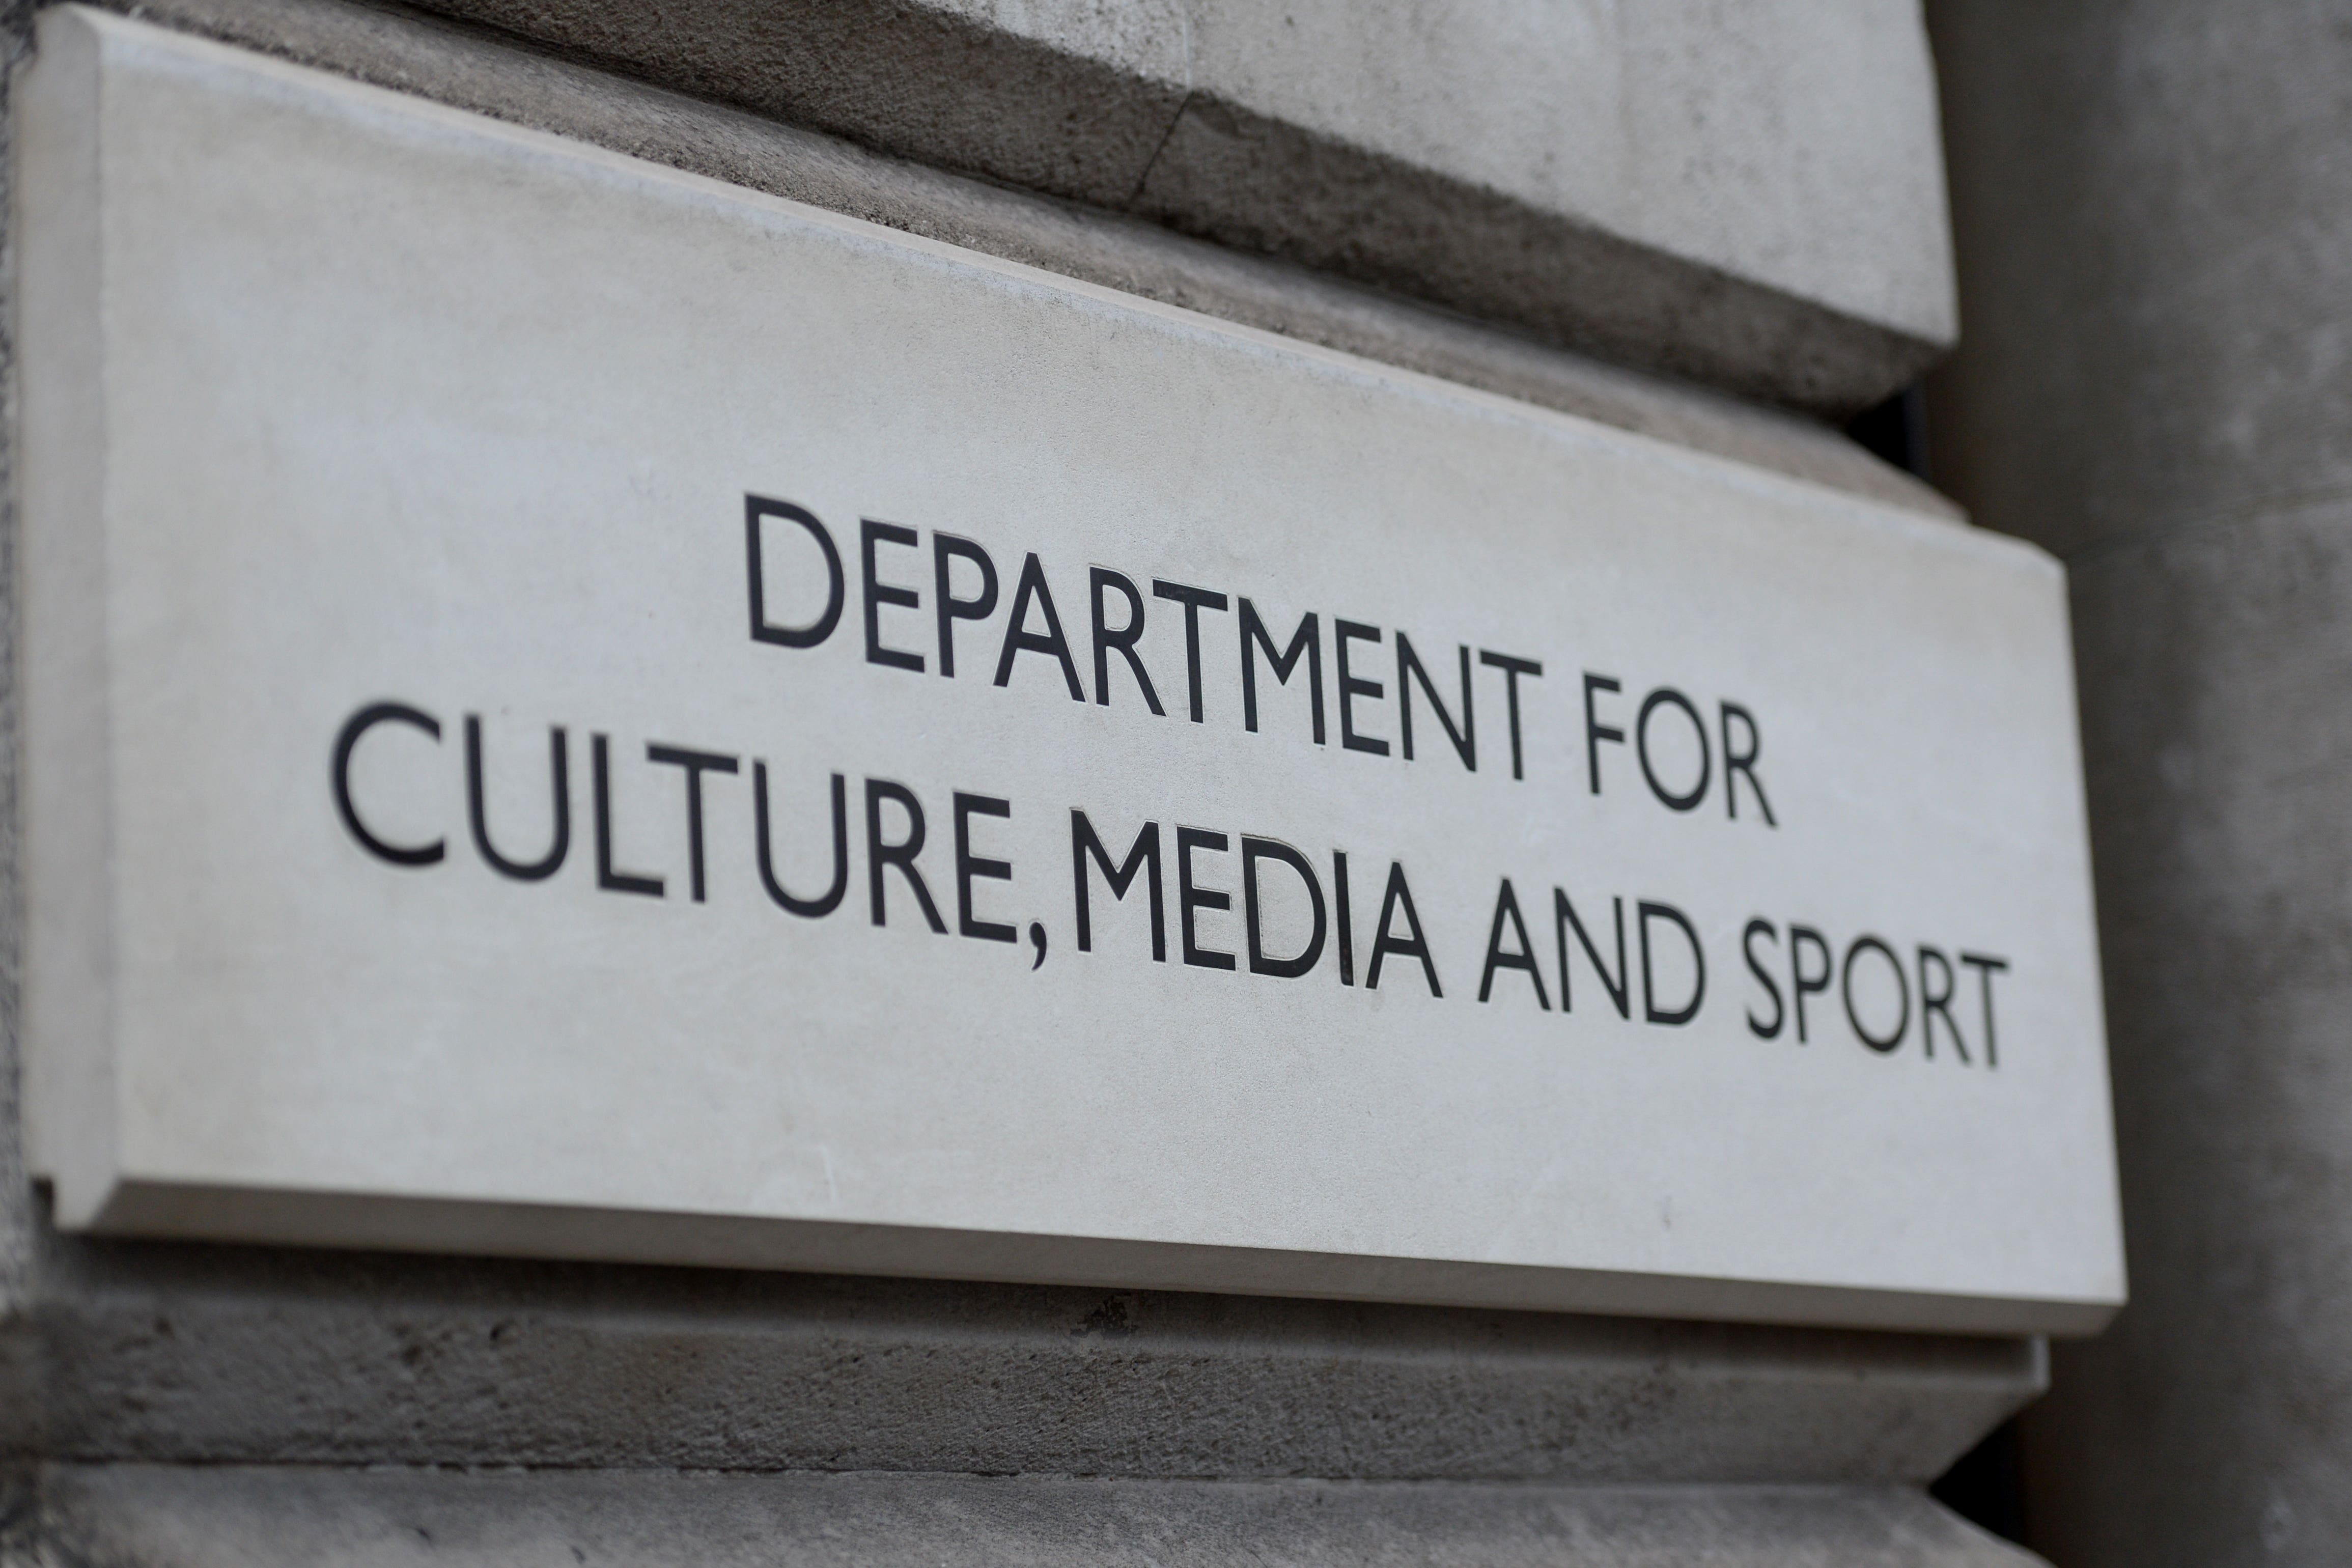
[{"x": 1037, "y": 941}]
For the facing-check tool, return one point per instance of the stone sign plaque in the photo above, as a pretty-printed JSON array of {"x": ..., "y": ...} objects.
[{"x": 574, "y": 709}]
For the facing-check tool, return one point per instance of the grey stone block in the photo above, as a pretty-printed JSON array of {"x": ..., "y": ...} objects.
[
  {"x": 2213, "y": 1424},
  {"x": 466, "y": 69},
  {"x": 2154, "y": 219},
  {"x": 18, "y": 1230},
  {"x": 138, "y": 1517},
  {"x": 194, "y": 1353},
  {"x": 2157, "y": 239},
  {"x": 1749, "y": 197}
]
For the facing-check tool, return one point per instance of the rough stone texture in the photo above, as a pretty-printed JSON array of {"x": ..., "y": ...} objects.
[
  {"x": 2213, "y": 1425},
  {"x": 472, "y": 71},
  {"x": 1749, "y": 194},
  {"x": 189, "y": 1353},
  {"x": 2155, "y": 211},
  {"x": 130, "y": 1517},
  {"x": 18, "y": 1230},
  {"x": 2155, "y": 201}
]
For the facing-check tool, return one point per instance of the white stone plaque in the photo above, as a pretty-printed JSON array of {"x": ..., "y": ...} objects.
[{"x": 574, "y": 709}]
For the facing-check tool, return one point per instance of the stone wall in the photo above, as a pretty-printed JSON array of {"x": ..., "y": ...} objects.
[
  {"x": 1710, "y": 223},
  {"x": 2154, "y": 219}
]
